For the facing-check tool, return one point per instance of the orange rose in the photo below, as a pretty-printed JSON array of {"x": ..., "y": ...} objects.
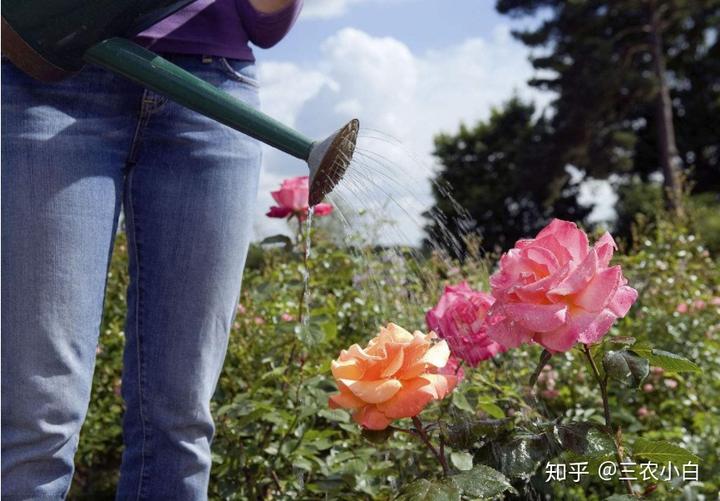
[{"x": 394, "y": 377}]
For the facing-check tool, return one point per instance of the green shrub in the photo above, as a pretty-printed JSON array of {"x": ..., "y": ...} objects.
[{"x": 277, "y": 439}]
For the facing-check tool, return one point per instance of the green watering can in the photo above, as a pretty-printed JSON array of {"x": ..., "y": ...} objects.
[{"x": 52, "y": 39}]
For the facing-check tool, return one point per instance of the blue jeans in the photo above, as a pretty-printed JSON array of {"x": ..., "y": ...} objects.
[{"x": 73, "y": 153}]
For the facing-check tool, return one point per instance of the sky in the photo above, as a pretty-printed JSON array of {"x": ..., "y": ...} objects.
[{"x": 408, "y": 69}]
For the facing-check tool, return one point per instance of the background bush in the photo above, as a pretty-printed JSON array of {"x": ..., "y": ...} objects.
[{"x": 276, "y": 438}]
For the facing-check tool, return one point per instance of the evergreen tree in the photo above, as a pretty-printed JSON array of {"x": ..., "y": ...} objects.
[{"x": 637, "y": 83}]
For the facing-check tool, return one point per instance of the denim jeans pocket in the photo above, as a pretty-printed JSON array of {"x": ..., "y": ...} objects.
[{"x": 240, "y": 71}]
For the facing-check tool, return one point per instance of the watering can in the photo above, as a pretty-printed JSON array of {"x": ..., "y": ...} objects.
[{"x": 52, "y": 39}]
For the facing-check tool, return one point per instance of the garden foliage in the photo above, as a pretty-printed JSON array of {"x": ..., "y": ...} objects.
[{"x": 277, "y": 438}]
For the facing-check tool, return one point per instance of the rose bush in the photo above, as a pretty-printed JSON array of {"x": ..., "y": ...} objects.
[{"x": 276, "y": 437}]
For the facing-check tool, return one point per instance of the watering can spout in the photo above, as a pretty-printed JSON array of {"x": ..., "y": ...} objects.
[{"x": 329, "y": 159}]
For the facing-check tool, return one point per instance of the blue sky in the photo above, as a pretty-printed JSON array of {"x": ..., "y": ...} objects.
[
  {"x": 408, "y": 69},
  {"x": 420, "y": 24}
]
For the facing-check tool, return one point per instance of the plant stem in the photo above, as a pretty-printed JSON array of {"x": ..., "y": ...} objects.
[
  {"x": 615, "y": 436},
  {"x": 426, "y": 440}
]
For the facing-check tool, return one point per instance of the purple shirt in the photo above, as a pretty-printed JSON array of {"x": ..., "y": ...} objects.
[{"x": 219, "y": 28}]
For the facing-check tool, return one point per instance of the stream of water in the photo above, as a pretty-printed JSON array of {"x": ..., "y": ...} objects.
[{"x": 382, "y": 210}]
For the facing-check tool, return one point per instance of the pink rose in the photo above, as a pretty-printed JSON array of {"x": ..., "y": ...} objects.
[
  {"x": 556, "y": 290},
  {"x": 459, "y": 318},
  {"x": 292, "y": 199},
  {"x": 715, "y": 301},
  {"x": 682, "y": 308},
  {"x": 287, "y": 317},
  {"x": 453, "y": 368},
  {"x": 699, "y": 304},
  {"x": 670, "y": 383},
  {"x": 647, "y": 387}
]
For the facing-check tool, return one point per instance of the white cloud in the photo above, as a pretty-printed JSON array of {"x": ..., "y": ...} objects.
[
  {"x": 405, "y": 95},
  {"x": 326, "y": 8}
]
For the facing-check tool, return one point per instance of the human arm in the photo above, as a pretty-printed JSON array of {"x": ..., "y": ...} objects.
[{"x": 267, "y": 21}]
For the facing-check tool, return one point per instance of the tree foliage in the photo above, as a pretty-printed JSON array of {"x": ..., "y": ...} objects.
[
  {"x": 597, "y": 57},
  {"x": 608, "y": 118},
  {"x": 504, "y": 176}
]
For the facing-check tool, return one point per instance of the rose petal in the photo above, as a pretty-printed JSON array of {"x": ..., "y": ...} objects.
[
  {"x": 507, "y": 333},
  {"x": 577, "y": 278},
  {"x": 322, "y": 209},
  {"x": 597, "y": 327},
  {"x": 437, "y": 355},
  {"x": 558, "y": 340},
  {"x": 600, "y": 291},
  {"x": 396, "y": 360},
  {"x": 623, "y": 300},
  {"x": 345, "y": 400},
  {"x": 537, "y": 317},
  {"x": 605, "y": 247},
  {"x": 280, "y": 212},
  {"x": 407, "y": 402},
  {"x": 440, "y": 385},
  {"x": 371, "y": 418},
  {"x": 570, "y": 237},
  {"x": 346, "y": 369},
  {"x": 373, "y": 392}
]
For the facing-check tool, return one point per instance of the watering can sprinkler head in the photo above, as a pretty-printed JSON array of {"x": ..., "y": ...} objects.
[{"x": 329, "y": 159}]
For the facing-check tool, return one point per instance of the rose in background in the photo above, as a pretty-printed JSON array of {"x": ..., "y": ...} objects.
[
  {"x": 395, "y": 376},
  {"x": 292, "y": 199},
  {"x": 459, "y": 318},
  {"x": 556, "y": 290}
]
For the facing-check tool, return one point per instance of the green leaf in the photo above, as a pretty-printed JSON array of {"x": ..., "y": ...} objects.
[
  {"x": 669, "y": 361},
  {"x": 621, "y": 497},
  {"x": 463, "y": 434},
  {"x": 491, "y": 409},
  {"x": 335, "y": 415},
  {"x": 309, "y": 335},
  {"x": 583, "y": 439},
  {"x": 424, "y": 490},
  {"x": 278, "y": 239},
  {"x": 663, "y": 452},
  {"x": 626, "y": 367},
  {"x": 463, "y": 461},
  {"x": 482, "y": 481},
  {"x": 459, "y": 401}
]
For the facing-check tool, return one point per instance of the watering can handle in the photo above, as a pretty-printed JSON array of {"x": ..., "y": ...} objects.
[{"x": 160, "y": 75}]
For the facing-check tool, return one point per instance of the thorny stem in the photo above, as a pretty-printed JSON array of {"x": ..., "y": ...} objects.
[
  {"x": 615, "y": 435},
  {"x": 301, "y": 302},
  {"x": 426, "y": 440}
]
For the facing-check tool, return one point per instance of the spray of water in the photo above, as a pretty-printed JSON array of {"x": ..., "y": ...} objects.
[
  {"x": 305, "y": 297},
  {"x": 382, "y": 203}
]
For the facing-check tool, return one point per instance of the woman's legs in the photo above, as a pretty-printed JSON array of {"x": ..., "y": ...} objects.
[
  {"x": 63, "y": 151},
  {"x": 189, "y": 205}
]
